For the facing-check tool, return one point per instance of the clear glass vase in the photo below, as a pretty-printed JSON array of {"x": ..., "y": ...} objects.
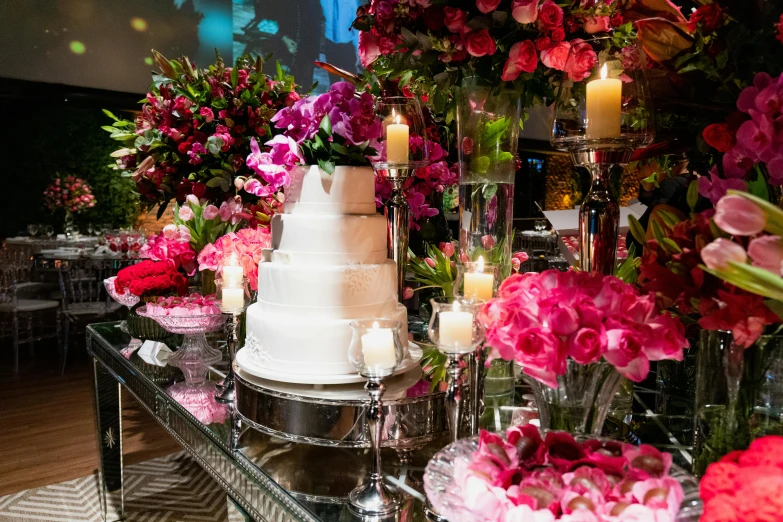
[
  {"x": 739, "y": 395},
  {"x": 487, "y": 135},
  {"x": 581, "y": 400}
]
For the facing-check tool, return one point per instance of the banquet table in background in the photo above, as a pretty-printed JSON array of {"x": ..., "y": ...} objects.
[{"x": 283, "y": 478}]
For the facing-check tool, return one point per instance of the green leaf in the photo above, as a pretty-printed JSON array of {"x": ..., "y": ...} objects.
[
  {"x": 776, "y": 306},
  {"x": 326, "y": 125},
  {"x": 279, "y": 70},
  {"x": 405, "y": 79},
  {"x": 109, "y": 128},
  {"x": 215, "y": 182},
  {"x": 637, "y": 231},
  {"x": 110, "y": 115},
  {"x": 234, "y": 76},
  {"x": 693, "y": 195},
  {"x": 667, "y": 217},
  {"x": 162, "y": 209},
  {"x": 326, "y": 166}
]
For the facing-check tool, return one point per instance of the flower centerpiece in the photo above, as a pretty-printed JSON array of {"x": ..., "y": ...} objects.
[
  {"x": 70, "y": 193},
  {"x": 195, "y": 130},
  {"x": 574, "y": 334},
  {"x": 525, "y": 477}
]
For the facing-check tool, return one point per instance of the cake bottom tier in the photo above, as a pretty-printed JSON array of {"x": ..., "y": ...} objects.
[{"x": 289, "y": 343}]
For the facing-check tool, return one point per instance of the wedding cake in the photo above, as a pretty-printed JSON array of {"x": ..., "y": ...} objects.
[{"x": 328, "y": 267}]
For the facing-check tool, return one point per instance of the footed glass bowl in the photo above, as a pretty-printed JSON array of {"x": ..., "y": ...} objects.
[{"x": 447, "y": 497}]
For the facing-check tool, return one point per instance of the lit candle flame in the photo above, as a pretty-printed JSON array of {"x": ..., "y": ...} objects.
[
  {"x": 604, "y": 72},
  {"x": 233, "y": 261},
  {"x": 375, "y": 325},
  {"x": 480, "y": 264}
]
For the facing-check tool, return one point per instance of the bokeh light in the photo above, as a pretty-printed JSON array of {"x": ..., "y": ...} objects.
[
  {"x": 148, "y": 60},
  {"x": 139, "y": 24},
  {"x": 77, "y": 47}
]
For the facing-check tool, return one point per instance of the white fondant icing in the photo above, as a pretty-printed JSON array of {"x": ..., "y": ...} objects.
[{"x": 348, "y": 190}]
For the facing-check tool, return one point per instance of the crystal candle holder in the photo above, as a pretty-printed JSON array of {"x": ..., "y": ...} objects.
[
  {"x": 375, "y": 351},
  {"x": 456, "y": 331},
  {"x": 476, "y": 280}
]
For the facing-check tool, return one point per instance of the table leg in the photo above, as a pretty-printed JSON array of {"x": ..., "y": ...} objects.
[{"x": 108, "y": 422}]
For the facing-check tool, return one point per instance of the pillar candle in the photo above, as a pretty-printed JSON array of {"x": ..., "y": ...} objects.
[
  {"x": 397, "y": 143},
  {"x": 603, "y": 107},
  {"x": 479, "y": 285},
  {"x": 378, "y": 348},
  {"x": 233, "y": 298},
  {"x": 456, "y": 331}
]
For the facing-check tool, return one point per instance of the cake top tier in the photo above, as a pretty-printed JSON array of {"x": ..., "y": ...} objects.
[{"x": 349, "y": 190}]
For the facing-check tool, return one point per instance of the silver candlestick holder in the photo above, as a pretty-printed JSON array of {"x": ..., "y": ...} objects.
[
  {"x": 232, "y": 298},
  {"x": 397, "y": 213}
]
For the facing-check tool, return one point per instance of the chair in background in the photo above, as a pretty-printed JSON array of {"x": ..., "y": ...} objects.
[
  {"x": 26, "y": 320},
  {"x": 84, "y": 297}
]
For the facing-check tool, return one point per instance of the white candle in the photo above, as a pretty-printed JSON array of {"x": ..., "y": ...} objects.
[
  {"x": 233, "y": 273},
  {"x": 603, "y": 107},
  {"x": 378, "y": 348},
  {"x": 397, "y": 142},
  {"x": 456, "y": 331},
  {"x": 479, "y": 285},
  {"x": 233, "y": 298}
]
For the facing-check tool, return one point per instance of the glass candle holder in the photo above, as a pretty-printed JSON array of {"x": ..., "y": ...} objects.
[
  {"x": 232, "y": 296},
  {"x": 476, "y": 280},
  {"x": 454, "y": 326},
  {"x": 403, "y": 143},
  {"x": 376, "y": 349}
]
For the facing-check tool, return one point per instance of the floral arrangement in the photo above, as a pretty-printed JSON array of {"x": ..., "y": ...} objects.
[
  {"x": 539, "y": 320},
  {"x": 70, "y": 193},
  {"x": 748, "y": 139},
  {"x": 172, "y": 245},
  {"x": 525, "y": 477},
  {"x": 151, "y": 278},
  {"x": 245, "y": 245},
  {"x": 338, "y": 127},
  {"x": 206, "y": 222},
  {"x": 572, "y": 244},
  {"x": 193, "y": 304},
  {"x": 745, "y": 486},
  {"x": 195, "y": 131}
]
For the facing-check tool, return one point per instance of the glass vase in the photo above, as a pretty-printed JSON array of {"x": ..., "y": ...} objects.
[
  {"x": 487, "y": 135},
  {"x": 739, "y": 395},
  {"x": 581, "y": 400}
]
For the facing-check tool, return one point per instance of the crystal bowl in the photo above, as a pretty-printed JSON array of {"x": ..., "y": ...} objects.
[
  {"x": 125, "y": 299},
  {"x": 446, "y": 495},
  {"x": 187, "y": 324}
]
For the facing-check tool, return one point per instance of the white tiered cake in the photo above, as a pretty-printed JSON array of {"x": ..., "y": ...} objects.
[{"x": 329, "y": 267}]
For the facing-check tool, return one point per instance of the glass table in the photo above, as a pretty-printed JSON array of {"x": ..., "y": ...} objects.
[{"x": 278, "y": 478}]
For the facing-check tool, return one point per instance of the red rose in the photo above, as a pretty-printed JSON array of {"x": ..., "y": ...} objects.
[
  {"x": 480, "y": 43},
  {"x": 718, "y": 137},
  {"x": 487, "y": 6},
  {"x": 550, "y": 15},
  {"x": 581, "y": 60},
  {"x": 710, "y": 17},
  {"x": 199, "y": 189},
  {"x": 597, "y": 24},
  {"x": 556, "y": 57},
  {"x": 543, "y": 43},
  {"x": 779, "y": 27},
  {"x": 455, "y": 19},
  {"x": 558, "y": 35},
  {"x": 521, "y": 58},
  {"x": 720, "y": 509},
  {"x": 719, "y": 479}
]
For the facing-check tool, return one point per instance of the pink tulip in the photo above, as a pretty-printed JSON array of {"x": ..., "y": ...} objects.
[
  {"x": 487, "y": 242},
  {"x": 447, "y": 248},
  {"x": 739, "y": 216},
  {"x": 767, "y": 253},
  {"x": 430, "y": 262},
  {"x": 211, "y": 212},
  {"x": 185, "y": 214},
  {"x": 407, "y": 293},
  {"x": 718, "y": 254}
]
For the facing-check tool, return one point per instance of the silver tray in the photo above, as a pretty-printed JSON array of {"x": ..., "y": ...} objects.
[{"x": 334, "y": 415}]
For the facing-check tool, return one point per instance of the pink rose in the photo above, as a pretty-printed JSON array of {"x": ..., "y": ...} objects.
[
  {"x": 581, "y": 60},
  {"x": 211, "y": 212},
  {"x": 586, "y": 345},
  {"x": 207, "y": 114},
  {"x": 487, "y": 6},
  {"x": 718, "y": 254},
  {"x": 185, "y": 214},
  {"x": 369, "y": 47},
  {"x": 524, "y": 11},
  {"x": 480, "y": 43},
  {"x": 739, "y": 216},
  {"x": 454, "y": 19},
  {"x": 624, "y": 351},
  {"x": 556, "y": 57},
  {"x": 767, "y": 253},
  {"x": 597, "y": 24},
  {"x": 447, "y": 248},
  {"x": 521, "y": 58},
  {"x": 561, "y": 319},
  {"x": 550, "y": 15}
]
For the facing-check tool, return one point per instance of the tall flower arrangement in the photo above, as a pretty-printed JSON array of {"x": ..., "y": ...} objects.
[
  {"x": 70, "y": 193},
  {"x": 195, "y": 131}
]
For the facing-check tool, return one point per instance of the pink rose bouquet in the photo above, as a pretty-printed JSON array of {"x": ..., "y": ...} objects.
[
  {"x": 193, "y": 304},
  {"x": 524, "y": 477},
  {"x": 540, "y": 320},
  {"x": 173, "y": 246},
  {"x": 246, "y": 244},
  {"x": 70, "y": 193}
]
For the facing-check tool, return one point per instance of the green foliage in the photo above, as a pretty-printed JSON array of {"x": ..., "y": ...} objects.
[
  {"x": 49, "y": 139},
  {"x": 439, "y": 276}
]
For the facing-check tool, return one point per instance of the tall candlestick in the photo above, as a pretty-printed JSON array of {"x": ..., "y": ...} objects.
[
  {"x": 378, "y": 348},
  {"x": 603, "y": 106},
  {"x": 456, "y": 331},
  {"x": 397, "y": 142},
  {"x": 479, "y": 285}
]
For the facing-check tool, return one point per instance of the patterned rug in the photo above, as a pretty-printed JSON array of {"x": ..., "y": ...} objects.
[{"x": 172, "y": 488}]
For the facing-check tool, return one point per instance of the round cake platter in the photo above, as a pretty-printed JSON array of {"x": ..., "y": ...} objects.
[{"x": 246, "y": 363}]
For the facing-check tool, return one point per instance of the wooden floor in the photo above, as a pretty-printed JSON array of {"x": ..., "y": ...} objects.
[{"x": 47, "y": 428}]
